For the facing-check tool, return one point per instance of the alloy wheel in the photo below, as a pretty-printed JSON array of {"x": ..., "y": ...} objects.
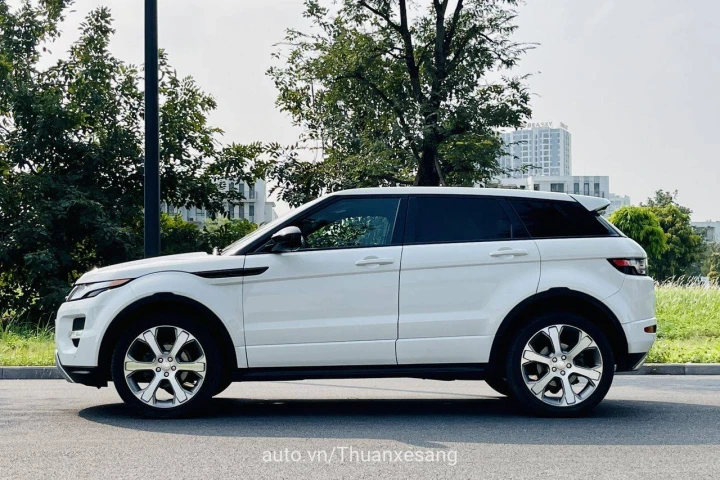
[
  {"x": 164, "y": 366},
  {"x": 561, "y": 365}
]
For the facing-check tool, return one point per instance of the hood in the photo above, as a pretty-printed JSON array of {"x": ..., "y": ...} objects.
[{"x": 184, "y": 262}]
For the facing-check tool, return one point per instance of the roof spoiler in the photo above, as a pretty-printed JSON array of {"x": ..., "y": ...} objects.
[{"x": 593, "y": 204}]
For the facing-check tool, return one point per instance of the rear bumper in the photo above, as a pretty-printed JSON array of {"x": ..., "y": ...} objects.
[
  {"x": 632, "y": 362},
  {"x": 638, "y": 340},
  {"x": 89, "y": 376},
  {"x": 639, "y": 343}
]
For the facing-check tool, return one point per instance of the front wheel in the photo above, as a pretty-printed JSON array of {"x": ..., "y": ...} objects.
[
  {"x": 560, "y": 365},
  {"x": 166, "y": 365}
]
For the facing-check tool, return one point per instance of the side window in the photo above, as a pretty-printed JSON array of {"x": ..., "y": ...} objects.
[
  {"x": 556, "y": 218},
  {"x": 354, "y": 222},
  {"x": 461, "y": 219}
]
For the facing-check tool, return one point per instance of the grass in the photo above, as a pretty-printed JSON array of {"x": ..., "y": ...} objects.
[
  {"x": 688, "y": 330},
  {"x": 688, "y": 324},
  {"x": 23, "y": 345}
]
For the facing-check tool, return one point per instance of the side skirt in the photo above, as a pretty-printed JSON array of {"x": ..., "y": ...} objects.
[{"x": 452, "y": 371}]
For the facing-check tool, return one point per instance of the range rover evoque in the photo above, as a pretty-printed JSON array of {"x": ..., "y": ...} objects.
[{"x": 533, "y": 292}]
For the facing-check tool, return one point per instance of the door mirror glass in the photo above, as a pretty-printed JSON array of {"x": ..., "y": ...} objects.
[{"x": 287, "y": 240}]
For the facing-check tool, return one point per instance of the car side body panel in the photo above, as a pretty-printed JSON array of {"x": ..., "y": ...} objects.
[
  {"x": 222, "y": 296},
  {"x": 453, "y": 297},
  {"x": 323, "y": 307}
]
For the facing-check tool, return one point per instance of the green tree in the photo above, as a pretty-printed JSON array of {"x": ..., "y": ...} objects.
[
  {"x": 713, "y": 263},
  {"x": 685, "y": 246},
  {"x": 398, "y": 92},
  {"x": 221, "y": 232},
  {"x": 71, "y": 153},
  {"x": 643, "y": 226},
  {"x": 179, "y": 236}
]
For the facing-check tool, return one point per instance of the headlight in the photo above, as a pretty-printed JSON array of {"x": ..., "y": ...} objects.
[{"x": 89, "y": 290}]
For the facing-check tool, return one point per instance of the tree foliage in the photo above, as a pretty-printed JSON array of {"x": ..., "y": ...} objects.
[
  {"x": 398, "y": 92},
  {"x": 684, "y": 244},
  {"x": 713, "y": 263},
  {"x": 221, "y": 232},
  {"x": 643, "y": 226},
  {"x": 71, "y": 156},
  {"x": 180, "y": 236}
]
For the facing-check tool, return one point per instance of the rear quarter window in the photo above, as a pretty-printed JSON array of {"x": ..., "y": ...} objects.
[{"x": 559, "y": 219}]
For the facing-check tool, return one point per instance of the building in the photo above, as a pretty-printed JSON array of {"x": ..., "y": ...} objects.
[
  {"x": 540, "y": 148},
  {"x": 710, "y": 230},
  {"x": 540, "y": 158},
  {"x": 595, "y": 186},
  {"x": 254, "y": 206},
  {"x": 617, "y": 201}
]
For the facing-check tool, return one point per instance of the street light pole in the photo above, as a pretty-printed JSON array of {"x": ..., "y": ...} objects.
[{"x": 152, "y": 133}]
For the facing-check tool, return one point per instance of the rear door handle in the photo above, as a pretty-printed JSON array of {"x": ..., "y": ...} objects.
[
  {"x": 374, "y": 261},
  {"x": 508, "y": 252}
]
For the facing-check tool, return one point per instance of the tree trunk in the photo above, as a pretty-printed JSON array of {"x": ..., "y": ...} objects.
[{"x": 427, "y": 175}]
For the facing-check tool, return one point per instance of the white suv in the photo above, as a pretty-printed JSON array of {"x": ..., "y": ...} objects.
[{"x": 533, "y": 292}]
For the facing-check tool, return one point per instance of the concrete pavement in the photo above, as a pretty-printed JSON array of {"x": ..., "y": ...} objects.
[{"x": 648, "y": 427}]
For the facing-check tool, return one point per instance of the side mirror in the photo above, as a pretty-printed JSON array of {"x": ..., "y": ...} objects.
[{"x": 287, "y": 240}]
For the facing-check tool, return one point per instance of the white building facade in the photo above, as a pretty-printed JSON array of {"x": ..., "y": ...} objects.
[
  {"x": 595, "y": 186},
  {"x": 539, "y": 148},
  {"x": 710, "y": 230},
  {"x": 539, "y": 157},
  {"x": 617, "y": 201},
  {"x": 254, "y": 206}
]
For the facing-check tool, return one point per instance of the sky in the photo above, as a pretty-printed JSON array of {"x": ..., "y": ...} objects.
[{"x": 636, "y": 81}]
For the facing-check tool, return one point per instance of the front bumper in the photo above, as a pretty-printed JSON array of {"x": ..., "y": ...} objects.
[{"x": 89, "y": 376}]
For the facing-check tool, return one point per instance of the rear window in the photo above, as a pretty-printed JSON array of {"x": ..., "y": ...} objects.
[
  {"x": 460, "y": 219},
  {"x": 559, "y": 219}
]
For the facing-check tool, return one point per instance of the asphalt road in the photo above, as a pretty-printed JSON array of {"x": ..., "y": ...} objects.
[{"x": 648, "y": 427}]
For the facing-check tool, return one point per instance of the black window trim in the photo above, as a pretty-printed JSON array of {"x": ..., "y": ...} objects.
[
  {"x": 515, "y": 220},
  {"x": 398, "y": 227}
]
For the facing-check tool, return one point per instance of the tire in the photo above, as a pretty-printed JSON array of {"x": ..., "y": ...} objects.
[
  {"x": 499, "y": 384},
  {"x": 180, "y": 386},
  {"x": 532, "y": 356}
]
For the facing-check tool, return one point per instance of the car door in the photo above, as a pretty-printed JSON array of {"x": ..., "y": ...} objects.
[
  {"x": 466, "y": 262},
  {"x": 335, "y": 300}
]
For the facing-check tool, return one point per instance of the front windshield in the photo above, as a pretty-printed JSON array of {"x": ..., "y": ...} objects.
[{"x": 235, "y": 247}]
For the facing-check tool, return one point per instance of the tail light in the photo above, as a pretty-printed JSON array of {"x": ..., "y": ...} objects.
[{"x": 630, "y": 266}]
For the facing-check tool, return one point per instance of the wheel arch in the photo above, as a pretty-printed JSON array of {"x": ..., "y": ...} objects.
[
  {"x": 167, "y": 301},
  {"x": 561, "y": 300}
]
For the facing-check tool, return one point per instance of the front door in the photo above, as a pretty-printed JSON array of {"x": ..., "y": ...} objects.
[{"x": 335, "y": 300}]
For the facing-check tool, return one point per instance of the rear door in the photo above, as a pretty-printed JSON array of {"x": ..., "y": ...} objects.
[{"x": 467, "y": 260}]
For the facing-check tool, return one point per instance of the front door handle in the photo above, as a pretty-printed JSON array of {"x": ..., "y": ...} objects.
[
  {"x": 374, "y": 261},
  {"x": 508, "y": 252}
]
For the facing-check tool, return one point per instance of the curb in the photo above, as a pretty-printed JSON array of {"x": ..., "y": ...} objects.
[
  {"x": 52, "y": 373},
  {"x": 30, "y": 373},
  {"x": 677, "y": 369}
]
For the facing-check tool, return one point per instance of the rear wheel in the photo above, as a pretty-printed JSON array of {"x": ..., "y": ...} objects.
[
  {"x": 560, "y": 365},
  {"x": 166, "y": 365}
]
